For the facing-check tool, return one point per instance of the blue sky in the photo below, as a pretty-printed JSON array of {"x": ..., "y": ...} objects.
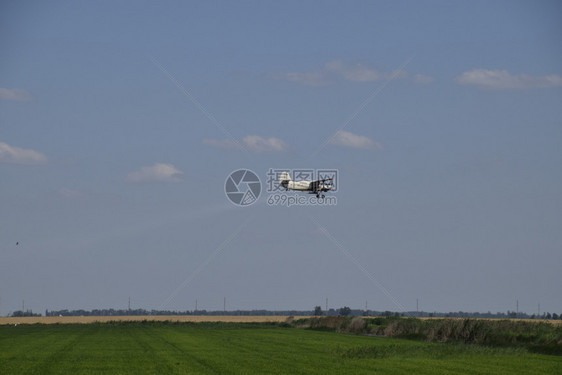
[{"x": 120, "y": 122}]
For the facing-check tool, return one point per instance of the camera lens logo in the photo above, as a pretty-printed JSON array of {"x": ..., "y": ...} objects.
[{"x": 242, "y": 187}]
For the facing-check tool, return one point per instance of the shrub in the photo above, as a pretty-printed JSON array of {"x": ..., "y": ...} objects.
[{"x": 357, "y": 325}]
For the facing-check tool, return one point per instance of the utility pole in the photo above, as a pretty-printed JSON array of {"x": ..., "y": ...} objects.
[
  {"x": 417, "y": 306},
  {"x": 224, "y": 305},
  {"x": 539, "y": 310},
  {"x": 129, "y": 303},
  {"x": 516, "y": 308},
  {"x": 196, "y": 305},
  {"x": 326, "y": 306}
]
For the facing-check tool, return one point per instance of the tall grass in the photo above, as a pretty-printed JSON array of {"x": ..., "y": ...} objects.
[{"x": 536, "y": 336}]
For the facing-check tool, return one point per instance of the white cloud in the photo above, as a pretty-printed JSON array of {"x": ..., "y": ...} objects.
[
  {"x": 158, "y": 172},
  {"x": 503, "y": 80},
  {"x": 17, "y": 95},
  {"x": 355, "y": 73},
  {"x": 254, "y": 143},
  {"x": 420, "y": 78},
  {"x": 347, "y": 139},
  {"x": 333, "y": 70},
  {"x": 15, "y": 155},
  {"x": 263, "y": 144}
]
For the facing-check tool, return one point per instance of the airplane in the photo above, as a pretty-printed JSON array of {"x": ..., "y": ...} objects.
[{"x": 312, "y": 186}]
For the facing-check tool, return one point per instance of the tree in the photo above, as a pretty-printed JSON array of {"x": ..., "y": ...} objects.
[
  {"x": 345, "y": 311},
  {"x": 21, "y": 313},
  {"x": 318, "y": 311}
]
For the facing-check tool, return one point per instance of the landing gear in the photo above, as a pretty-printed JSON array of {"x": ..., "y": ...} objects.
[{"x": 318, "y": 195}]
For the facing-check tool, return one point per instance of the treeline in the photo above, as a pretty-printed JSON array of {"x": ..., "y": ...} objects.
[
  {"x": 21, "y": 313},
  {"x": 344, "y": 311},
  {"x": 488, "y": 315},
  {"x": 126, "y": 312}
]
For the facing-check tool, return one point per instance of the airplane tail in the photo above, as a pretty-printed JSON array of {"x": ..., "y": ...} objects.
[{"x": 284, "y": 178}]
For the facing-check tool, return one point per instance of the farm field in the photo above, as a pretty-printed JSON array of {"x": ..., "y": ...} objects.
[
  {"x": 235, "y": 348},
  {"x": 193, "y": 319},
  {"x": 140, "y": 318}
]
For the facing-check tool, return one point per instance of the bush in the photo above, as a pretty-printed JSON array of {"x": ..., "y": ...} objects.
[{"x": 357, "y": 325}]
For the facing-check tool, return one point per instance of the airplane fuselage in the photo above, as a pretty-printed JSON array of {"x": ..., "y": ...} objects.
[
  {"x": 312, "y": 186},
  {"x": 304, "y": 185}
]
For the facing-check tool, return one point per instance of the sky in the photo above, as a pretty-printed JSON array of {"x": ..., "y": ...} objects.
[{"x": 120, "y": 123}]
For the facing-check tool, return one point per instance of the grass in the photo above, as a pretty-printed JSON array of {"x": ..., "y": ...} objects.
[
  {"x": 538, "y": 337},
  {"x": 233, "y": 348}
]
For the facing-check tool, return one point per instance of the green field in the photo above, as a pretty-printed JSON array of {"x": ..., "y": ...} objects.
[{"x": 230, "y": 348}]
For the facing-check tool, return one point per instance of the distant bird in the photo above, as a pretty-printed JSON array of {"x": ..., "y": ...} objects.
[{"x": 17, "y": 243}]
